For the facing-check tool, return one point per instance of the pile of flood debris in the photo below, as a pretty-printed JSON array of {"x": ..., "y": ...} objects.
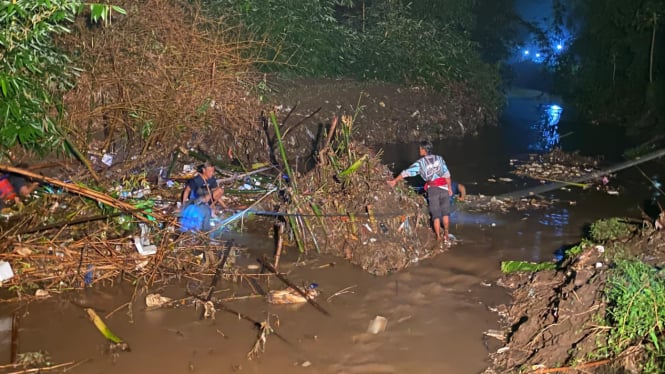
[
  {"x": 558, "y": 319},
  {"x": 345, "y": 207},
  {"x": 559, "y": 166},
  {"x": 73, "y": 235}
]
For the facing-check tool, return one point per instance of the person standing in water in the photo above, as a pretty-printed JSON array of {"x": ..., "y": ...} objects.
[{"x": 435, "y": 173}]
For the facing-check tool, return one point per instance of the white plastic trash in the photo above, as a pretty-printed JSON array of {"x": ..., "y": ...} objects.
[
  {"x": 144, "y": 250},
  {"x": 107, "y": 159},
  {"x": 377, "y": 325},
  {"x": 6, "y": 271}
]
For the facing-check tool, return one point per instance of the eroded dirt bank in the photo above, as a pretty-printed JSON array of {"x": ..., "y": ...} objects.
[{"x": 558, "y": 320}]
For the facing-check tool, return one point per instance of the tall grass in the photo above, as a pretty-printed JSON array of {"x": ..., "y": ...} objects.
[{"x": 636, "y": 311}]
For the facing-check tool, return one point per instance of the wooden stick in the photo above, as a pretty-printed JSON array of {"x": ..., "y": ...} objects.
[
  {"x": 280, "y": 242},
  {"x": 218, "y": 273},
  {"x": 14, "y": 348},
  {"x": 43, "y": 369},
  {"x": 568, "y": 368}
]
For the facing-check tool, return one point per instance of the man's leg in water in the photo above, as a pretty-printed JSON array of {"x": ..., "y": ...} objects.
[
  {"x": 436, "y": 224},
  {"x": 436, "y": 198}
]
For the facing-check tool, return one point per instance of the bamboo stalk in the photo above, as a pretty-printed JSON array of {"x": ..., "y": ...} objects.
[
  {"x": 282, "y": 152},
  {"x": 14, "y": 346},
  {"x": 280, "y": 241},
  {"x": 81, "y": 158}
]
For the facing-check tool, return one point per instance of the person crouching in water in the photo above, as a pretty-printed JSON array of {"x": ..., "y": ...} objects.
[
  {"x": 435, "y": 173},
  {"x": 195, "y": 216},
  {"x": 204, "y": 179},
  {"x": 13, "y": 187}
]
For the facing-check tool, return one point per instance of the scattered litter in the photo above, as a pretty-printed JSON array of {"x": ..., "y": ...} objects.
[
  {"x": 306, "y": 364},
  {"x": 23, "y": 251},
  {"x": 209, "y": 310},
  {"x": 156, "y": 300},
  {"x": 253, "y": 267},
  {"x": 377, "y": 325},
  {"x": 107, "y": 159},
  {"x": 144, "y": 250},
  {"x": 42, "y": 294},
  {"x": 485, "y": 284},
  {"x": 600, "y": 248},
  {"x": 291, "y": 295},
  {"x": 613, "y": 192},
  {"x": 6, "y": 271},
  {"x": 496, "y": 334},
  {"x": 505, "y": 179}
]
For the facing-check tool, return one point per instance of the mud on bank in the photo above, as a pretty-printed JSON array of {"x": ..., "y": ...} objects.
[{"x": 561, "y": 320}]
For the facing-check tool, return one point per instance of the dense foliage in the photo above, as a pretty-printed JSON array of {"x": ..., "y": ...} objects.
[
  {"x": 434, "y": 43},
  {"x": 32, "y": 70},
  {"x": 614, "y": 68},
  {"x": 427, "y": 42}
]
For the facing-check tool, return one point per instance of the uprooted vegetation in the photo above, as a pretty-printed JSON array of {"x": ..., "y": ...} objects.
[{"x": 599, "y": 310}]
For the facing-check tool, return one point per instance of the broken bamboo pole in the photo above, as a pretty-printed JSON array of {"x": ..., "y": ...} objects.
[
  {"x": 243, "y": 175},
  {"x": 279, "y": 231},
  {"x": 583, "y": 178},
  {"x": 14, "y": 347}
]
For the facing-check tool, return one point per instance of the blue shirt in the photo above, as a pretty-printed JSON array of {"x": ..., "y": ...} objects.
[{"x": 429, "y": 168}]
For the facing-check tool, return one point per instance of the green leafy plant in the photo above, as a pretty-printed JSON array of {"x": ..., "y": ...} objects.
[
  {"x": 384, "y": 40},
  {"x": 636, "y": 311},
  {"x": 610, "y": 229},
  {"x": 33, "y": 72},
  {"x": 508, "y": 267}
]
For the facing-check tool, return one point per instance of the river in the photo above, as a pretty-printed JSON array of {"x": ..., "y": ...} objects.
[{"x": 437, "y": 310}]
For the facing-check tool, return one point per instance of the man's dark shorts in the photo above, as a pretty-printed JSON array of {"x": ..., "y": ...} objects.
[{"x": 439, "y": 202}]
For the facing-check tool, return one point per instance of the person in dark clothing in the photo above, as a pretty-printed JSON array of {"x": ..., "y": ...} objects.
[
  {"x": 13, "y": 187},
  {"x": 205, "y": 178},
  {"x": 459, "y": 191}
]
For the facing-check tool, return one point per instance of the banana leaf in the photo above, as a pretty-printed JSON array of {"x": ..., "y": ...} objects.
[
  {"x": 508, "y": 267},
  {"x": 101, "y": 326},
  {"x": 353, "y": 167}
]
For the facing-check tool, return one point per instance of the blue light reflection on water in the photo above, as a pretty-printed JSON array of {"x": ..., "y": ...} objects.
[{"x": 546, "y": 129}]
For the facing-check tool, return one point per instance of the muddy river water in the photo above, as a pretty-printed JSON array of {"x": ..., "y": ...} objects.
[{"x": 437, "y": 310}]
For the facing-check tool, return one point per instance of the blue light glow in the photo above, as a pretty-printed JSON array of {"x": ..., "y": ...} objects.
[
  {"x": 559, "y": 47},
  {"x": 546, "y": 130}
]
